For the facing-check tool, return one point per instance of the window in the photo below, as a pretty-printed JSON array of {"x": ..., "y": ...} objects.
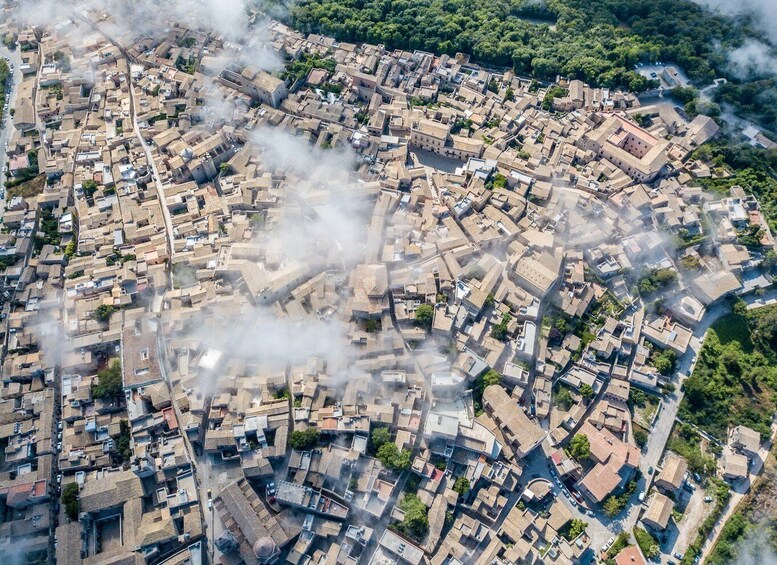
[{"x": 144, "y": 354}]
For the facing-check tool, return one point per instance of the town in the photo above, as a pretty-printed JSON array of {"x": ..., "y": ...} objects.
[{"x": 309, "y": 302}]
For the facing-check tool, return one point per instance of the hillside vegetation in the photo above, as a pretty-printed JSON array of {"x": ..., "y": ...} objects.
[
  {"x": 598, "y": 41},
  {"x": 735, "y": 379}
]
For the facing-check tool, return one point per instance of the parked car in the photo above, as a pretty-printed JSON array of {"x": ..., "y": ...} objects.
[
  {"x": 650, "y": 470},
  {"x": 697, "y": 477},
  {"x": 707, "y": 498},
  {"x": 678, "y": 555}
]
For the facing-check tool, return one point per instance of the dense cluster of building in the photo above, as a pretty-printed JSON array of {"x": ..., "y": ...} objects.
[{"x": 217, "y": 260}]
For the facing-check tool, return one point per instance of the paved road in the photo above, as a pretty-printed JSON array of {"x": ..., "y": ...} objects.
[{"x": 7, "y": 127}]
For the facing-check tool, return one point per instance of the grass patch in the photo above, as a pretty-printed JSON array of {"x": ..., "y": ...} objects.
[
  {"x": 684, "y": 440},
  {"x": 30, "y": 188}
]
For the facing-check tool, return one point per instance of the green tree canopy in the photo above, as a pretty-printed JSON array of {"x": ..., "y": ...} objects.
[
  {"x": 379, "y": 436},
  {"x": 489, "y": 378},
  {"x": 415, "y": 522},
  {"x": 70, "y": 500},
  {"x": 392, "y": 458},
  {"x": 564, "y": 398},
  {"x": 461, "y": 485},
  {"x": 109, "y": 382},
  {"x": 579, "y": 447},
  {"x": 103, "y": 312},
  {"x": 424, "y": 315},
  {"x": 304, "y": 440}
]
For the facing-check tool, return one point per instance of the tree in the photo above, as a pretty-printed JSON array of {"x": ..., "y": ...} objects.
[
  {"x": 415, "y": 523},
  {"x": 89, "y": 187},
  {"x": 379, "y": 437},
  {"x": 103, "y": 312},
  {"x": 499, "y": 331},
  {"x": 665, "y": 361},
  {"x": 564, "y": 398},
  {"x": 304, "y": 440},
  {"x": 424, "y": 315},
  {"x": 684, "y": 94},
  {"x": 109, "y": 382},
  {"x": 690, "y": 263},
  {"x": 579, "y": 447},
  {"x": 123, "y": 441},
  {"x": 392, "y": 458},
  {"x": 770, "y": 261},
  {"x": 586, "y": 391},
  {"x": 612, "y": 506},
  {"x": 764, "y": 330},
  {"x": 70, "y": 248},
  {"x": 576, "y": 527},
  {"x": 640, "y": 437},
  {"x": 665, "y": 277},
  {"x": 461, "y": 485},
  {"x": 647, "y": 543},
  {"x": 481, "y": 382},
  {"x": 70, "y": 500},
  {"x": 553, "y": 93}
]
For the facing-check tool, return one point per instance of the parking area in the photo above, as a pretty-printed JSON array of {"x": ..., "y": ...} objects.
[
  {"x": 668, "y": 75},
  {"x": 692, "y": 508}
]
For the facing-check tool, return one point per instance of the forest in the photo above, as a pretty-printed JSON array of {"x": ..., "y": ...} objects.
[{"x": 598, "y": 41}]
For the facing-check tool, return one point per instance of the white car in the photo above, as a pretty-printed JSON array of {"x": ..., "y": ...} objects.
[{"x": 59, "y": 478}]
